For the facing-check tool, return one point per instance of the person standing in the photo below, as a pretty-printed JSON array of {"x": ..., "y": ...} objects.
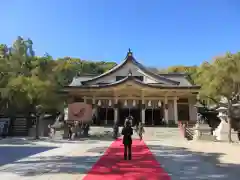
[
  {"x": 115, "y": 131},
  {"x": 127, "y": 133},
  {"x": 5, "y": 130},
  {"x": 51, "y": 131},
  {"x": 140, "y": 130},
  {"x": 69, "y": 132}
]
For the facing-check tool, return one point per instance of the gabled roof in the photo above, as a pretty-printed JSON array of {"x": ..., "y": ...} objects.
[
  {"x": 135, "y": 81},
  {"x": 130, "y": 58},
  {"x": 77, "y": 81},
  {"x": 184, "y": 79}
]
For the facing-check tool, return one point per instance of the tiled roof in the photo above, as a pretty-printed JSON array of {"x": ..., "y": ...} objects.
[
  {"x": 77, "y": 81},
  {"x": 130, "y": 58},
  {"x": 182, "y": 78},
  {"x": 137, "y": 81},
  {"x": 176, "y": 79}
]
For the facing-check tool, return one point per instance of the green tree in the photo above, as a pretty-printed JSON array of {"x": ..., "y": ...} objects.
[
  {"x": 26, "y": 80},
  {"x": 220, "y": 78},
  {"x": 65, "y": 69}
]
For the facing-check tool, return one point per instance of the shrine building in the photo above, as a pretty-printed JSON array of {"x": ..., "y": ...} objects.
[{"x": 132, "y": 89}]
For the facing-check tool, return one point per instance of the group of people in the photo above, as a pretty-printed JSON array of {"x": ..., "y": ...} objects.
[
  {"x": 52, "y": 131},
  {"x": 73, "y": 130},
  {"x": 127, "y": 133},
  {"x": 77, "y": 129}
]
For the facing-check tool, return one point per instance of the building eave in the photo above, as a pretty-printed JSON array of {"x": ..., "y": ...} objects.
[{"x": 134, "y": 81}]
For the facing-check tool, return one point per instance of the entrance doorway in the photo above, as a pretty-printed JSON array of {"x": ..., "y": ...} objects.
[
  {"x": 135, "y": 113},
  {"x": 101, "y": 116},
  {"x": 105, "y": 116},
  {"x": 125, "y": 112},
  {"x": 153, "y": 116},
  {"x": 122, "y": 114},
  {"x": 148, "y": 117},
  {"x": 110, "y": 116},
  {"x": 157, "y": 116}
]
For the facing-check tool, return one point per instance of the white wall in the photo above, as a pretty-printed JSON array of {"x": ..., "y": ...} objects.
[
  {"x": 150, "y": 80},
  {"x": 192, "y": 109},
  {"x": 170, "y": 110}
]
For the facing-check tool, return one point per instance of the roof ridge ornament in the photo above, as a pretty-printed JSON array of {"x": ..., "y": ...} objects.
[
  {"x": 129, "y": 72},
  {"x": 129, "y": 52}
]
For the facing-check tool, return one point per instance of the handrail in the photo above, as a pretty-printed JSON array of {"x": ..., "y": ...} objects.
[
  {"x": 185, "y": 129},
  {"x": 181, "y": 128}
]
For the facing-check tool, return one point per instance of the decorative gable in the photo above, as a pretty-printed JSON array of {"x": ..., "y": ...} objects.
[{"x": 137, "y": 70}]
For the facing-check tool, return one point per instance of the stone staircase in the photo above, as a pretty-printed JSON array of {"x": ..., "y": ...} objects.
[
  {"x": 205, "y": 132},
  {"x": 160, "y": 133},
  {"x": 186, "y": 130},
  {"x": 154, "y": 133}
]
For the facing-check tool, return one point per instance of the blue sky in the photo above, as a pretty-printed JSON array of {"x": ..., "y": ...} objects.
[{"x": 159, "y": 32}]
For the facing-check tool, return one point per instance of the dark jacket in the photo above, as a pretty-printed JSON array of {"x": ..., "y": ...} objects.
[{"x": 127, "y": 133}]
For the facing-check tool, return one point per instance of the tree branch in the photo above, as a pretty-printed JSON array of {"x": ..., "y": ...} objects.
[{"x": 214, "y": 100}]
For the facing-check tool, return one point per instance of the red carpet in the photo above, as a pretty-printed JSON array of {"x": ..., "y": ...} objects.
[{"x": 112, "y": 166}]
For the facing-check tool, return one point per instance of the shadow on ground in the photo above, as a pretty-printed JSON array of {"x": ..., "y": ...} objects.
[
  {"x": 179, "y": 163},
  {"x": 35, "y": 166},
  {"x": 19, "y": 141},
  {"x": 104, "y": 135},
  {"x": 10, "y": 154}
]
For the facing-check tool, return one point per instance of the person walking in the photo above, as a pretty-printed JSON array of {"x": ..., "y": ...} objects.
[
  {"x": 115, "y": 131},
  {"x": 70, "y": 132},
  {"x": 127, "y": 133},
  {"x": 5, "y": 130},
  {"x": 51, "y": 131},
  {"x": 140, "y": 130}
]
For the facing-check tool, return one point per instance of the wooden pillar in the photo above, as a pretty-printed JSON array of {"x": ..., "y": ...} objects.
[
  {"x": 143, "y": 111},
  {"x": 175, "y": 107},
  {"x": 115, "y": 110},
  {"x": 166, "y": 109},
  {"x": 84, "y": 99},
  {"x": 94, "y": 111},
  {"x": 106, "y": 105}
]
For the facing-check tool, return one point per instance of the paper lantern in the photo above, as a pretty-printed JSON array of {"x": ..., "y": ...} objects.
[
  {"x": 149, "y": 103},
  {"x": 109, "y": 103},
  {"x": 134, "y": 103},
  {"x": 125, "y": 103},
  {"x": 99, "y": 103},
  {"x": 159, "y": 103}
]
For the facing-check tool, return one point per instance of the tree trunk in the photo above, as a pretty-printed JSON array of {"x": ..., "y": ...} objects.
[{"x": 37, "y": 128}]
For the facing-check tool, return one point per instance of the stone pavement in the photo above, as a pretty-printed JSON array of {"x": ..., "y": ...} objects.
[
  {"x": 184, "y": 160},
  {"x": 22, "y": 159},
  {"x": 68, "y": 160}
]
